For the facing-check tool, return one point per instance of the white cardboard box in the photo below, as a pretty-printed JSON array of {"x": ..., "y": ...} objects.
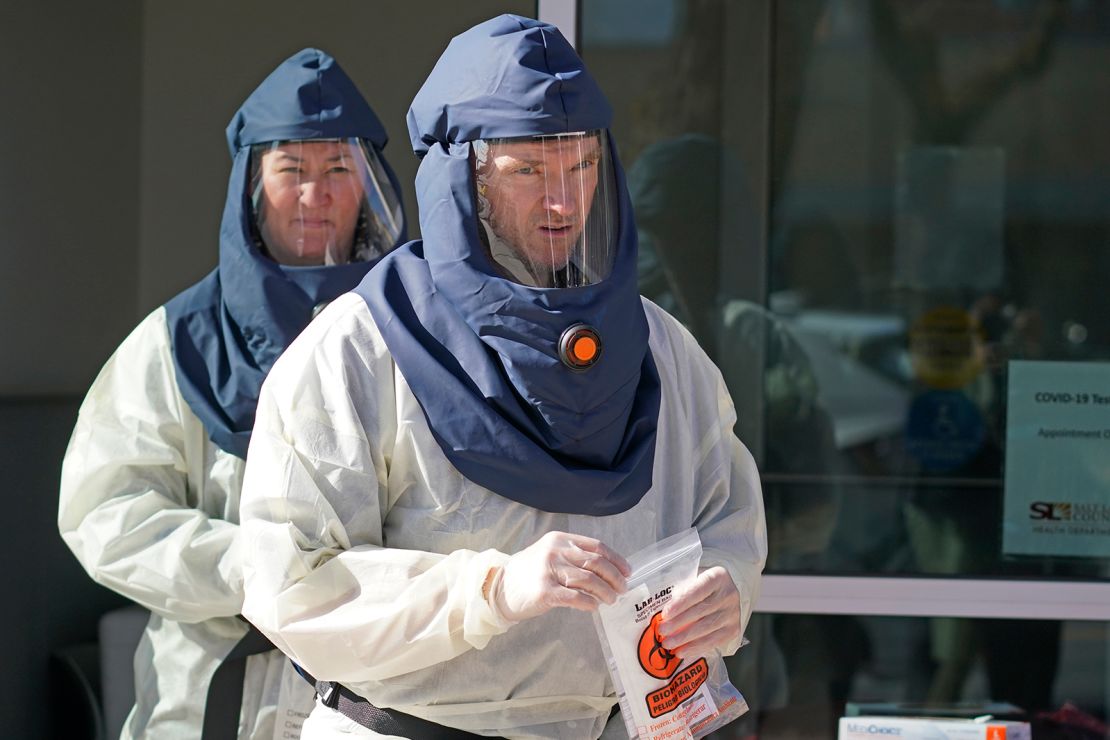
[{"x": 928, "y": 728}]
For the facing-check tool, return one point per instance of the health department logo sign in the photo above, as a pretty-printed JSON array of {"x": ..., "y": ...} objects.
[
  {"x": 1048, "y": 511},
  {"x": 1069, "y": 511}
]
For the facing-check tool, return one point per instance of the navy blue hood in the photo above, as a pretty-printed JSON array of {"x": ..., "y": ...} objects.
[
  {"x": 480, "y": 352},
  {"x": 227, "y": 330}
]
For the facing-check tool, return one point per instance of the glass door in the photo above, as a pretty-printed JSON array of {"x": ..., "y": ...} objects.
[{"x": 888, "y": 222}]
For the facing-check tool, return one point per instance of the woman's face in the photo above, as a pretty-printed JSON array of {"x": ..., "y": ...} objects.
[{"x": 308, "y": 207}]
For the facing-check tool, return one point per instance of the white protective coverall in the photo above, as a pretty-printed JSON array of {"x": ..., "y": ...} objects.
[
  {"x": 150, "y": 508},
  {"x": 367, "y": 549}
]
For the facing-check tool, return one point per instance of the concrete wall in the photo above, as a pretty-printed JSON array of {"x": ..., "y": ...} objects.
[{"x": 69, "y": 210}]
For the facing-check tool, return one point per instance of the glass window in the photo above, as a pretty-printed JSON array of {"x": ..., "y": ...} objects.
[
  {"x": 878, "y": 216},
  {"x": 868, "y": 212}
]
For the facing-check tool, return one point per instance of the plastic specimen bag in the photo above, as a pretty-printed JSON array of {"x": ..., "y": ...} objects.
[{"x": 662, "y": 695}]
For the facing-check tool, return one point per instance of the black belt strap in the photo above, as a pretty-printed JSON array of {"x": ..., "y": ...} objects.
[
  {"x": 225, "y": 693},
  {"x": 386, "y": 721}
]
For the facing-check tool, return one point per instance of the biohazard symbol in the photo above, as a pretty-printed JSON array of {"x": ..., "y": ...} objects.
[{"x": 656, "y": 660}]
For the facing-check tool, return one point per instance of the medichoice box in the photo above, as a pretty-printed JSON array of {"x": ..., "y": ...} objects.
[{"x": 931, "y": 728}]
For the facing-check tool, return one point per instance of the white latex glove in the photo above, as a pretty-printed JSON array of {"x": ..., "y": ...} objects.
[
  {"x": 702, "y": 615},
  {"x": 559, "y": 569}
]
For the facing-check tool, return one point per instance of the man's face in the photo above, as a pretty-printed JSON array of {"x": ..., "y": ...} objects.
[
  {"x": 540, "y": 193},
  {"x": 310, "y": 200}
]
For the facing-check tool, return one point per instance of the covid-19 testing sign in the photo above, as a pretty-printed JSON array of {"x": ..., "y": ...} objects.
[{"x": 1058, "y": 460}]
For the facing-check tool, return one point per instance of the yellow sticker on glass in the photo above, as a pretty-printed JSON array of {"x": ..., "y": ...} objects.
[{"x": 946, "y": 348}]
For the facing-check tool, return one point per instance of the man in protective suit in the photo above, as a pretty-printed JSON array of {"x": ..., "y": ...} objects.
[
  {"x": 151, "y": 479},
  {"x": 473, "y": 438}
]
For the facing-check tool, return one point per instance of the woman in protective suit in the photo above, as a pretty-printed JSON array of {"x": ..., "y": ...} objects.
[
  {"x": 151, "y": 479},
  {"x": 505, "y": 418}
]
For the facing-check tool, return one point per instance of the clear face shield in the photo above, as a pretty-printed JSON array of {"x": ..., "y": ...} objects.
[
  {"x": 547, "y": 207},
  {"x": 323, "y": 201}
]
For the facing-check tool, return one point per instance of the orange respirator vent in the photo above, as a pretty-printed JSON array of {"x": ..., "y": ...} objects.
[{"x": 580, "y": 347}]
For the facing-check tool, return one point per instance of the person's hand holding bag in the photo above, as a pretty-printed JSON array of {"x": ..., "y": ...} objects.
[
  {"x": 559, "y": 569},
  {"x": 703, "y": 615}
]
